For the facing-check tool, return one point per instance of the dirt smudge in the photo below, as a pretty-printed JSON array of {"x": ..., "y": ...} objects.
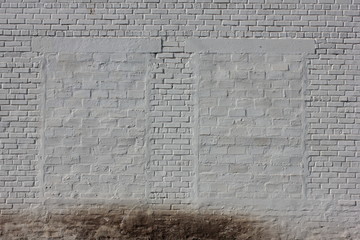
[{"x": 121, "y": 223}]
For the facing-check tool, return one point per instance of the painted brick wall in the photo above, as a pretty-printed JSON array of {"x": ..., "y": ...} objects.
[
  {"x": 250, "y": 124},
  {"x": 172, "y": 165},
  {"x": 94, "y": 125}
]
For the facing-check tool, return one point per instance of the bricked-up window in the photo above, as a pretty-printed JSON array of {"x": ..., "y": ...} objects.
[
  {"x": 95, "y": 116},
  {"x": 250, "y": 96}
]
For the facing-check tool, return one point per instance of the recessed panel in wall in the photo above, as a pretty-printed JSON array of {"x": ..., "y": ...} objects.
[
  {"x": 95, "y": 108},
  {"x": 250, "y": 118}
]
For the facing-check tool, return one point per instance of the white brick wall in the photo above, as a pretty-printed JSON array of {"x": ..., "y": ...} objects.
[
  {"x": 250, "y": 124},
  {"x": 94, "y": 126},
  {"x": 173, "y": 167}
]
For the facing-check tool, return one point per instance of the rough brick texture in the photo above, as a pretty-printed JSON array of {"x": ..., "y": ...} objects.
[
  {"x": 94, "y": 132},
  {"x": 275, "y": 135},
  {"x": 250, "y": 125}
]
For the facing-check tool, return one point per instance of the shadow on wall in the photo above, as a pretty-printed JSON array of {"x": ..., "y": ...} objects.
[{"x": 120, "y": 223}]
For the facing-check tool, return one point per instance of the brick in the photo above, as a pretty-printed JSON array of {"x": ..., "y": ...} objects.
[{"x": 260, "y": 107}]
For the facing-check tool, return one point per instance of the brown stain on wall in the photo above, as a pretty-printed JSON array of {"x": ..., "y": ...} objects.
[{"x": 104, "y": 223}]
